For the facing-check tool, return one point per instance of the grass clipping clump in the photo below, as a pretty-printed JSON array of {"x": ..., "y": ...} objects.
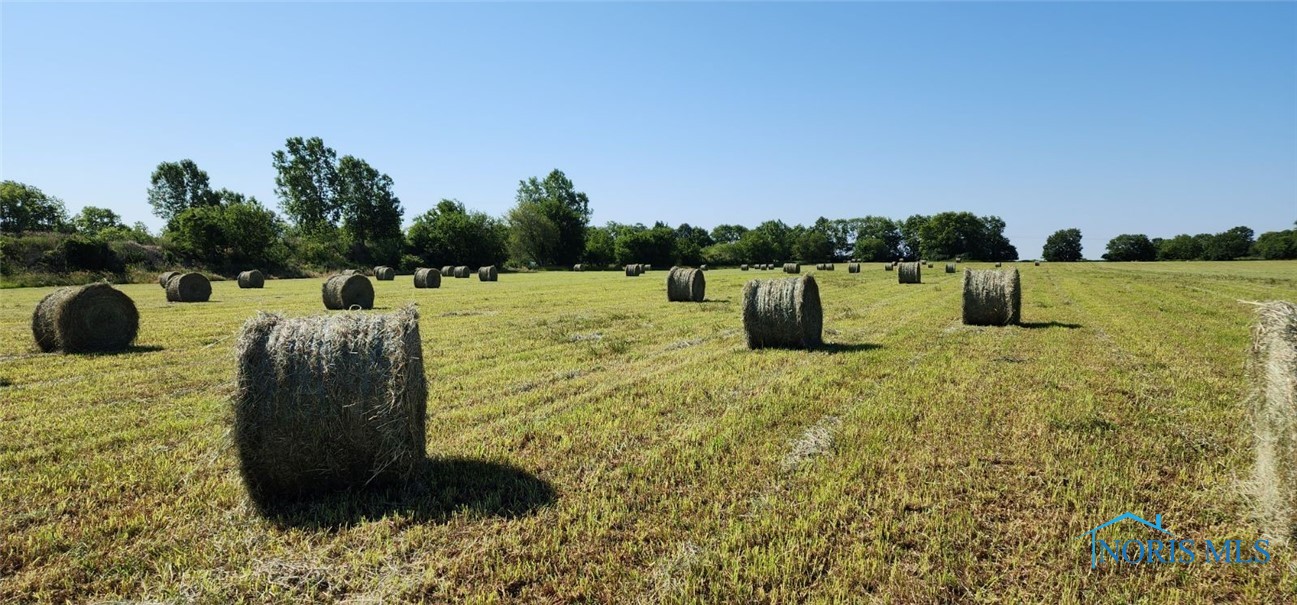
[
  {"x": 427, "y": 278},
  {"x": 685, "y": 285},
  {"x": 992, "y": 298},
  {"x": 347, "y": 292},
  {"x": 783, "y": 313},
  {"x": 85, "y": 319},
  {"x": 327, "y": 403},
  {"x": 1272, "y": 368},
  {"x": 190, "y": 287},
  {"x": 252, "y": 279}
]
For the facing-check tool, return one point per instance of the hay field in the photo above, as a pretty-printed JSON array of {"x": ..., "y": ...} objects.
[{"x": 592, "y": 442}]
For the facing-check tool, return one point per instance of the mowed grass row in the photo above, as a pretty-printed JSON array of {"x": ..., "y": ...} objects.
[{"x": 595, "y": 442}]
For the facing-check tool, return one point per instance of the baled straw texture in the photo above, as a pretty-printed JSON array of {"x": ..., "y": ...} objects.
[
  {"x": 427, "y": 278},
  {"x": 685, "y": 285},
  {"x": 328, "y": 402},
  {"x": 252, "y": 279},
  {"x": 190, "y": 287},
  {"x": 164, "y": 277},
  {"x": 384, "y": 273},
  {"x": 992, "y": 298},
  {"x": 85, "y": 319},
  {"x": 1272, "y": 370},
  {"x": 909, "y": 273},
  {"x": 783, "y": 313},
  {"x": 488, "y": 273},
  {"x": 348, "y": 272},
  {"x": 342, "y": 292}
]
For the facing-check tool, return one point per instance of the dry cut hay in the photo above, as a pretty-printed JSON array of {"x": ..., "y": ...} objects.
[
  {"x": 783, "y": 313},
  {"x": 950, "y": 267},
  {"x": 427, "y": 278},
  {"x": 85, "y": 319},
  {"x": 685, "y": 285},
  {"x": 343, "y": 292},
  {"x": 164, "y": 277},
  {"x": 448, "y": 271},
  {"x": 992, "y": 298},
  {"x": 909, "y": 273},
  {"x": 189, "y": 287},
  {"x": 1272, "y": 370},
  {"x": 853, "y": 267},
  {"x": 252, "y": 279},
  {"x": 384, "y": 273},
  {"x": 488, "y": 273},
  {"x": 462, "y": 272},
  {"x": 792, "y": 268},
  {"x": 328, "y": 402}
]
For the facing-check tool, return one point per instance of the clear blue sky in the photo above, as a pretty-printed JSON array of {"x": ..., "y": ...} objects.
[{"x": 1111, "y": 117}]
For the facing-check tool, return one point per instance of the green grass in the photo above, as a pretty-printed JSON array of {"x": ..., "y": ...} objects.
[{"x": 592, "y": 442}]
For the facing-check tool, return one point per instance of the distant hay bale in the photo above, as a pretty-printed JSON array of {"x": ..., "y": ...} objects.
[
  {"x": 649, "y": 267},
  {"x": 461, "y": 272},
  {"x": 163, "y": 278},
  {"x": 782, "y": 313},
  {"x": 929, "y": 265},
  {"x": 743, "y": 267},
  {"x": 576, "y": 267},
  {"x": 1272, "y": 372},
  {"x": 488, "y": 273},
  {"x": 792, "y": 268},
  {"x": 909, "y": 273},
  {"x": 997, "y": 264},
  {"x": 328, "y": 402},
  {"x": 702, "y": 267},
  {"x": 853, "y": 267},
  {"x": 950, "y": 267},
  {"x": 252, "y": 279},
  {"x": 384, "y": 273},
  {"x": 85, "y": 319},
  {"x": 889, "y": 267},
  {"x": 959, "y": 259},
  {"x": 1037, "y": 263},
  {"x": 828, "y": 267},
  {"x": 992, "y": 298},
  {"x": 448, "y": 271},
  {"x": 343, "y": 292},
  {"x": 685, "y": 285},
  {"x": 427, "y": 278},
  {"x": 632, "y": 270},
  {"x": 189, "y": 287}
]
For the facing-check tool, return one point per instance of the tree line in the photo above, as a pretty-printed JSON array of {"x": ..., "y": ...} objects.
[{"x": 337, "y": 211}]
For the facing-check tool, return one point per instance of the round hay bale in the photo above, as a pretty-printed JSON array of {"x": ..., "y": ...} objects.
[
  {"x": 792, "y": 268},
  {"x": 328, "y": 402},
  {"x": 950, "y": 267},
  {"x": 252, "y": 279},
  {"x": 462, "y": 272},
  {"x": 909, "y": 273},
  {"x": 959, "y": 259},
  {"x": 343, "y": 292},
  {"x": 743, "y": 267},
  {"x": 427, "y": 278},
  {"x": 488, "y": 273},
  {"x": 992, "y": 298},
  {"x": 1037, "y": 263},
  {"x": 190, "y": 287},
  {"x": 888, "y": 267},
  {"x": 577, "y": 267},
  {"x": 85, "y": 319},
  {"x": 700, "y": 267},
  {"x": 631, "y": 271},
  {"x": 1272, "y": 372},
  {"x": 853, "y": 267},
  {"x": 685, "y": 285},
  {"x": 929, "y": 265},
  {"x": 783, "y": 313},
  {"x": 384, "y": 273},
  {"x": 997, "y": 264},
  {"x": 163, "y": 278},
  {"x": 448, "y": 271}
]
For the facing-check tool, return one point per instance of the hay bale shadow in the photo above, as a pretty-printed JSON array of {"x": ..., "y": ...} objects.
[
  {"x": 834, "y": 348},
  {"x": 127, "y": 351},
  {"x": 1037, "y": 325},
  {"x": 442, "y": 488}
]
